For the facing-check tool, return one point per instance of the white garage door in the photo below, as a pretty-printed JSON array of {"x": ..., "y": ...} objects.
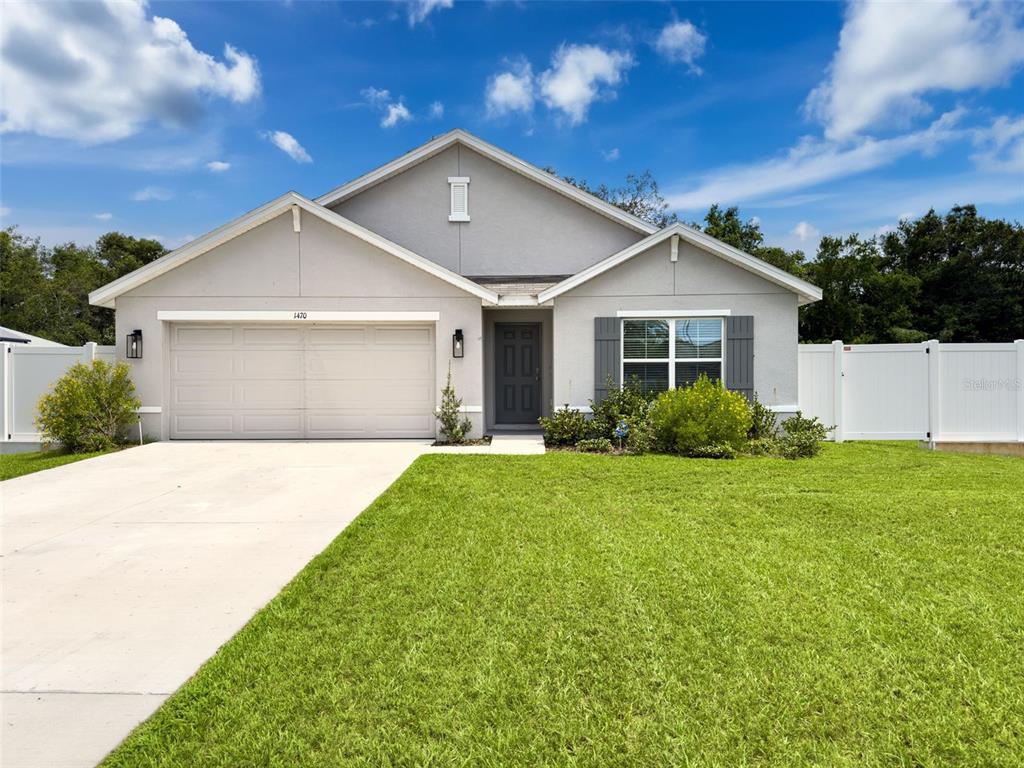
[{"x": 301, "y": 381}]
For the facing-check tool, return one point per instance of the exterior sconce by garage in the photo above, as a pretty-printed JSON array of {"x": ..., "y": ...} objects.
[
  {"x": 458, "y": 346},
  {"x": 133, "y": 347}
]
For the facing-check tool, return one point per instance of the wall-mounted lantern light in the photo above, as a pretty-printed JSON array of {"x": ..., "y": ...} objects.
[
  {"x": 458, "y": 348},
  {"x": 133, "y": 347}
]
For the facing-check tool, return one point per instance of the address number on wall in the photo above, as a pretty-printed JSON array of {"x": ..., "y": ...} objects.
[{"x": 299, "y": 316}]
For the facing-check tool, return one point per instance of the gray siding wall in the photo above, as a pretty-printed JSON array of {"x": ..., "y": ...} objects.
[
  {"x": 516, "y": 227},
  {"x": 698, "y": 281},
  {"x": 321, "y": 268}
]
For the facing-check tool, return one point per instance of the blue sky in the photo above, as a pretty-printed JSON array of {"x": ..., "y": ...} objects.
[{"x": 169, "y": 119}]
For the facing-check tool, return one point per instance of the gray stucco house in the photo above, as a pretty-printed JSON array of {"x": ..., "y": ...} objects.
[{"x": 340, "y": 317}]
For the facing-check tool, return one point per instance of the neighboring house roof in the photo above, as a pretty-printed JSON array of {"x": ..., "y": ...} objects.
[
  {"x": 806, "y": 292},
  {"x": 105, "y": 295},
  {"x": 17, "y": 337},
  {"x": 500, "y": 156}
]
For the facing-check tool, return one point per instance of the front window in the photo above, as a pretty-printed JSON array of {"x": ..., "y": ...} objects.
[{"x": 664, "y": 354}]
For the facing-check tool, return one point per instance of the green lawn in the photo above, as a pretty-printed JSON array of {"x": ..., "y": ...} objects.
[
  {"x": 862, "y": 608},
  {"x": 18, "y": 464}
]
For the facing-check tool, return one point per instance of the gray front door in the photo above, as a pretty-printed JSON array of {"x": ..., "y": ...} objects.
[{"x": 517, "y": 373}]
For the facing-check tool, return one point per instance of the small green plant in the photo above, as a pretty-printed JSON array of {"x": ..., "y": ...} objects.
[
  {"x": 802, "y": 437},
  {"x": 454, "y": 425},
  {"x": 705, "y": 414},
  {"x": 763, "y": 446},
  {"x": 566, "y": 426},
  {"x": 762, "y": 422},
  {"x": 595, "y": 445},
  {"x": 714, "y": 451},
  {"x": 89, "y": 408},
  {"x": 628, "y": 403}
]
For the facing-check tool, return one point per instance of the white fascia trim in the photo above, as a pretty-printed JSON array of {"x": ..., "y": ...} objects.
[
  {"x": 290, "y": 316},
  {"x": 674, "y": 313},
  {"x": 806, "y": 292},
  {"x": 499, "y": 156},
  {"x": 105, "y": 295}
]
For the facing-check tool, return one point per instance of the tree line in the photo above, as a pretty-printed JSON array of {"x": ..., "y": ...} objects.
[{"x": 957, "y": 277}]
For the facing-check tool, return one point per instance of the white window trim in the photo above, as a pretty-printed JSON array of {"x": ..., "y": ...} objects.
[
  {"x": 453, "y": 183},
  {"x": 671, "y": 359},
  {"x": 665, "y": 314}
]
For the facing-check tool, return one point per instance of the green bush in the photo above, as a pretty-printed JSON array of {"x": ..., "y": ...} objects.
[
  {"x": 629, "y": 403},
  {"x": 762, "y": 421},
  {"x": 89, "y": 408},
  {"x": 705, "y": 414},
  {"x": 595, "y": 445},
  {"x": 566, "y": 426},
  {"x": 715, "y": 451},
  {"x": 454, "y": 425},
  {"x": 763, "y": 446},
  {"x": 802, "y": 437}
]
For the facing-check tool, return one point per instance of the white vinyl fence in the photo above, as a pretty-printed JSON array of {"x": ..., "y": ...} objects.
[
  {"x": 28, "y": 373},
  {"x": 929, "y": 391}
]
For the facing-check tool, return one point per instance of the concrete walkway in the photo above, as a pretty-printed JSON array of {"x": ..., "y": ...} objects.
[{"x": 123, "y": 574}]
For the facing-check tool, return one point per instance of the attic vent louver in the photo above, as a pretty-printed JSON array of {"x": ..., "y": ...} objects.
[{"x": 460, "y": 198}]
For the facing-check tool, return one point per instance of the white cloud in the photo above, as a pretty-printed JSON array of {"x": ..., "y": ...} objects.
[
  {"x": 419, "y": 10},
  {"x": 610, "y": 155},
  {"x": 149, "y": 194},
  {"x": 435, "y": 111},
  {"x": 812, "y": 162},
  {"x": 1001, "y": 147},
  {"x": 376, "y": 97},
  {"x": 4, "y": 211},
  {"x": 218, "y": 166},
  {"x": 99, "y": 72},
  {"x": 289, "y": 145},
  {"x": 396, "y": 113},
  {"x": 682, "y": 43},
  {"x": 805, "y": 231},
  {"x": 103, "y": 216},
  {"x": 892, "y": 55},
  {"x": 579, "y": 75},
  {"x": 510, "y": 91}
]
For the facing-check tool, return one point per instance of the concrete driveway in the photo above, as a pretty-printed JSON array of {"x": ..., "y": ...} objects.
[{"x": 122, "y": 574}]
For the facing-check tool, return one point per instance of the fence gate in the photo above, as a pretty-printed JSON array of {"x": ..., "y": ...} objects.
[{"x": 885, "y": 392}]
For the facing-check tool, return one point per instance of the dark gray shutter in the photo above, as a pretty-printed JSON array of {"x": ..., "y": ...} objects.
[
  {"x": 739, "y": 354},
  {"x": 607, "y": 354}
]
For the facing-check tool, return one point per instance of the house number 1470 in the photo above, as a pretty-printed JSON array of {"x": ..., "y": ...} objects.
[{"x": 299, "y": 316}]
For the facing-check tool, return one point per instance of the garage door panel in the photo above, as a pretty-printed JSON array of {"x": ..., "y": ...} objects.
[
  {"x": 417, "y": 337},
  {"x": 282, "y": 337},
  {"x": 219, "y": 336},
  {"x": 369, "y": 364},
  {"x": 382, "y": 395},
  {"x": 327, "y": 381},
  {"x": 269, "y": 364}
]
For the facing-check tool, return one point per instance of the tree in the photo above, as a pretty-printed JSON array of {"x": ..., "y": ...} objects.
[
  {"x": 22, "y": 282},
  {"x": 639, "y": 196},
  {"x": 728, "y": 227}
]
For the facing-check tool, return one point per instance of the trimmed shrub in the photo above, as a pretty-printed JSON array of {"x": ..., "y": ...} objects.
[
  {"x": 716, "y": 451},
  {"x": 705, "y": 414},
  {"x": 802, "y": 438},
  {"x": 762, "y": 422},
  {"x": 595, "y": 445},
  {"x": 454, "y": 425},
  {"x": 89, "y": 408},
  {"x": 566, "y": 426},
  {"x": 763, "y": 446}
]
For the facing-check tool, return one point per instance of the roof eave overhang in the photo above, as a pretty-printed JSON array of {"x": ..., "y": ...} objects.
[
  {"x": 806, "y": 292},
  {"x": 107, "y": 294},
  {"x": 500, "y": 156}
]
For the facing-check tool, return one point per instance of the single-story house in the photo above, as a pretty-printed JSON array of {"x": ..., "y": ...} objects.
[{"x": 341, "y": 317}]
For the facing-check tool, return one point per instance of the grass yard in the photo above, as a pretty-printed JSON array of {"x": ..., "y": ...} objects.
[
  {"x": 18, "y": 464},
  {"x": 860, "y": 609}
]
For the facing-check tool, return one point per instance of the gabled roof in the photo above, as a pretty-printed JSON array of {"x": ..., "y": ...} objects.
[
  {"x": 500, "y": 156},
  {"x": 105, "y": 296},
  {"x": 806, "y": 292}
]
